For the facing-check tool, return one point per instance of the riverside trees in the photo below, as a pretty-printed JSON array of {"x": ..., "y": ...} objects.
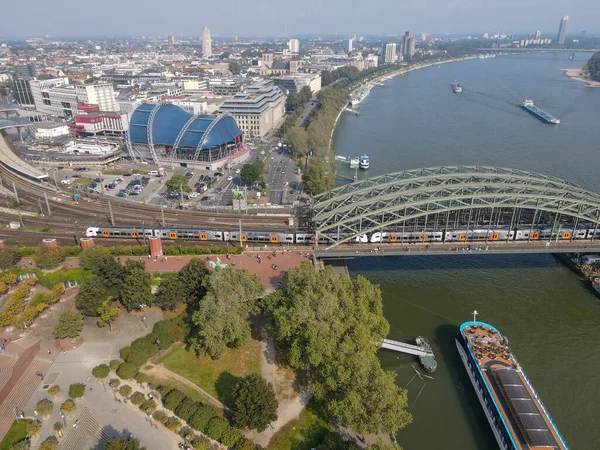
[{"x": 329, "y": 326}]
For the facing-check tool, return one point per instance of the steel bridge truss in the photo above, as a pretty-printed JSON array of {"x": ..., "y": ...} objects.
[
  {"x": 205, "y": 136},
  {"x": 471, "y": 194}
]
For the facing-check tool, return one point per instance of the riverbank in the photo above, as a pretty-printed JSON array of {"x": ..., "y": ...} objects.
[{"x": 579, "y": 75}]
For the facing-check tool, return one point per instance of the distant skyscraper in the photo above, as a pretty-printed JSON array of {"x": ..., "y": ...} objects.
[
  {"x": 388, "y": 53},
  {"x": 206, "y": 42},
  {"x": 348, "y": 45},
  {"x": 408, "y": 44},
  {"x": 171, "y": 40},
  {"x": 538, "y": 34},
  {"x": 294, "y": 46},
  {"x": 22, "y": 90},
  {"x": 562, "y": 30}
]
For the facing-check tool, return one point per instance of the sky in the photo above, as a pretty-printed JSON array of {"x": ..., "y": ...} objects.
[{"x": 61, "y": 18}]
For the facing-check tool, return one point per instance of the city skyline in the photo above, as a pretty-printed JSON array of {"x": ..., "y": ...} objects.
[{"x": 270, "y": 18}]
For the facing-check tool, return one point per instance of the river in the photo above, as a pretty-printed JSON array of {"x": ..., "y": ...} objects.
[{"x": 549, "y": 314}]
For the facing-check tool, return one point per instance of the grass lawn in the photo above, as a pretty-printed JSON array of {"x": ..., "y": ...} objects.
[
  {"x": 304, "y": 433},
  {"x": 217, "y": 377},
  {"x": 17, "y": 432}
]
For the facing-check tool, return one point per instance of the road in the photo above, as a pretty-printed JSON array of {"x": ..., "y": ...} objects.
[{"x": 280, "y": 176}]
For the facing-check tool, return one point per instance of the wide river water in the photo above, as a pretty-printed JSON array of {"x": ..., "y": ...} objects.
[{"x": 550, "y": 315}]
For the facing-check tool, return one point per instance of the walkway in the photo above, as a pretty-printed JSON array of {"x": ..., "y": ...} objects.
[{"x": 404, "y": 348}]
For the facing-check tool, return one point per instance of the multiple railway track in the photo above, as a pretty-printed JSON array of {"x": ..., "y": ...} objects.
[{"x": 69, "y": 217}]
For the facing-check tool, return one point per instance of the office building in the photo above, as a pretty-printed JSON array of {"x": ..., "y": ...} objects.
[
  {"x": 294, "y": 46},
  {"x": 348, "y": 44},
  {"x": 538, "y": 34},
  {"x": 258, "y": 109},
  {"x": 90, "y": 121},
  {"x": 22, "y": 91},
  {"x": 25, "y": 71},
  {"x": 101, "y": 94},
  {"x": 408, "y": 45},
  {"x": 171, "y": 41},
  {"x": 295, "y": 82},
  {"x": 54, "y": 96},
  {"x": 388, "y": 53},
  {"x": 206, "y": 43},
  {"x": 562, "y": 30}
]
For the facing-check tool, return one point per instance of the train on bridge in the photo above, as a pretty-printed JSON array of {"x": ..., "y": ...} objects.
[{"x": 392, "y": 237}]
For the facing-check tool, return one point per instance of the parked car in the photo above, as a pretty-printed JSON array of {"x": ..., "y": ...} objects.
[
  {"x": 76, "y": 176},
  {"x": 229, "y": 178},
  {"x": 193, "y": 195},
  {"x": 238, "y": 170},
  {"x": 126, "y": 174},
  {"x": 189, "y": 175},
  {"x": 98, "y": 180}
]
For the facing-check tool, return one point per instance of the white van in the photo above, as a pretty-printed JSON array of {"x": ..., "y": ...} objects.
[
  {"x": 66, "y": 181},
  {"x": 153, "y": 173}
]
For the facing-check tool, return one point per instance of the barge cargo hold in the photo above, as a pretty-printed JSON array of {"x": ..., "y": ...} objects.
[{"x": 528, "y": 106}]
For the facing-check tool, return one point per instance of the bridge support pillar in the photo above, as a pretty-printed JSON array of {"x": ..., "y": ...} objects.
[{"x": 156, "y": 248}]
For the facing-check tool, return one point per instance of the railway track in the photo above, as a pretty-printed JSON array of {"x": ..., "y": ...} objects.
[{"x": 69, "y": 215}]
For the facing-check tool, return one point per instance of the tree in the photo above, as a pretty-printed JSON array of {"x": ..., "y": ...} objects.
[
  {"x": 221, "y": 319},
  {"x": 148, "y": 406},
  {"x": 254, "y": 403},
  {"x": 115, "y": 363},
  {"x": 68, "y": 406},
  {"x": 114, "y": 382},
  {"x": 178, "y": 183},
  {"x": 245, "y": 444},
  {"x": 202, "y": 416},
  {"x": 8, "y": 257},
  {"x": 48, "y": 257},
  {"x": 328, "y": 325},
  {"x": 99, "y": 261},
  {"x": 54, "y": 390},
  {"x": 191, "y": 277},
  {"x": 173, "y": 423},
  {"x": 170, "y": 294},
  {"x": 251, "y": 173},
  {"x": 33, "y": 428},
  {"x": 137, "y": 398},
  {"x": 126, "y": 371},
  {"x": 92, "y": 294},
  {"x": 203, "y": 443},
  {"x": 298, "y": 139},
  {"x": 173, "y": 399},
  {"x": 101, "y": 371},
  {"x": 21, "y": 445},
  {"x": 69, "y": 325},
  {"x": 136, "y": 289},
  {"x": 44, "y": 406},
  {"x": 125, "y": 390},
  {"x": 51, "y": 443},
  {"x": 76, "y": 390},
  {"x": 382, "y": 445},
  {"x": 107, "y": 313},
  {"x": 186, "y": 409},
  {"x": 305, "y": 94},
  {"x": 230, "y": 437},
  {"x": 120, "y": 444},
  {"x": 234, "y": 67},
  {"x": 160, "y": 416},
  {"x": 216, "y": 427}
]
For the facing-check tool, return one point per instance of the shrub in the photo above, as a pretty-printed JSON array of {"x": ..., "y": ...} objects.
[
  {"x": 68, "y": 407},
  {"x": 51, "y": 443},
  {"x": 101, "y": 371},
  {"x": 160, "y": 416},
  {"x": 54, "y": 390},
  {"x": 21, "y": 445},
  {"x": 141, "y": 377},
  {"x": 127, "y": 371},
  {"x": 115, "y": 363},
  {"x": 76, "y": 390},
  {"x": 57, "y": 426},
  {"x": 216, "y": 427},
  {"x": 114, "y": 382},
  {"x": 173, "y": 399},
  {"x": 148, "y": 406},
  {"x": 230, "y": 437},
  {"x": 142, "y": 349},
  {"x": 245, "y": 444},
  {"x": 164, "y": 390},
  {"x": 187, "y": 433},
  {"x": 44, "y": 407},
  {"x": 137, "y": 398},
  {"x": 201, "y": 443},
  {"x": 124, "y": 352},
  {"x": 69, "y": 325},
  {"x": 173, "y": 423},
  {"x": 33, "y": 428},
  {"x": 202, "y": 416},
  {"x": 186, "y": 409},
  {"x": 125, "y": 390}
]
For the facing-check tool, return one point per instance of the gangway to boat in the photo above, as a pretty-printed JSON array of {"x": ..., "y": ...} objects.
[
  {"x": 404, "y": 348},
  {"x": 353, "y": 111}
]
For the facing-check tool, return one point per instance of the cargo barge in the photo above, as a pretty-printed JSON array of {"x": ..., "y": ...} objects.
[
  {"x": 514, "y": 410},
  {"x": 528, "y": 105}
]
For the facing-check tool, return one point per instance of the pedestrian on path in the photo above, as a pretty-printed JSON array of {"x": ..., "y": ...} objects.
[{"x": 49, "y": 352}]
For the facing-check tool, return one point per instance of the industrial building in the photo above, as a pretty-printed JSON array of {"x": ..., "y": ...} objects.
[
  {"x": 167, "y": 135},
  {"x": 258, "y": 109}
]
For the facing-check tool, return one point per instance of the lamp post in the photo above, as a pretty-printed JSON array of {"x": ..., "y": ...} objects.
[{"x": 475, "y": 316}]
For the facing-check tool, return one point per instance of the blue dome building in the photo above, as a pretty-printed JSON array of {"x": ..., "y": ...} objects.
[{"x": 166, "y": 134}]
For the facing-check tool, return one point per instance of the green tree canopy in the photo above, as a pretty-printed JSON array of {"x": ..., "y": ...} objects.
[
  {"x": 593, "y": 66},
  {"x": 251, "y": 173},
  {"x": 107, "y": 313},
  {"x": 221, "y": 319},
  {"x": 121, "y": 444},
  {"x": 255, "y": 405},
  {"x": 329, "y": 325},
  {"x": 92, "y": 294},
  {"x": 98, "y": 260},
  {"x": 8, "y": 257},
  {"x": 69, "y": 325},
  {"x": 298, "y": 139},
  {"x": 101, "y": 371},
  {"x": 44, "y": 406},
  {"x": 171, "y": 293},
  {"x": 48, "y": 257},
  {"x": 234, "y": 67},
  {"x": 136, "y": 289},
  {"x": 178, "y": 183},
  {"x": 76, "y": 390},
  {"x": 191, "y": 277}
]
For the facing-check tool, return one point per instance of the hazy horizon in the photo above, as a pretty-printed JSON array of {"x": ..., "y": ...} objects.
[{"x": 286, "y": 18}]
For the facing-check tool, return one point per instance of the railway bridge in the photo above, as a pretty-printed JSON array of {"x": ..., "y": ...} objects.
[{"x": 450, "y": 209}]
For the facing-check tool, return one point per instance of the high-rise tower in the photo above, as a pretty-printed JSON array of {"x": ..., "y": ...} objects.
[
  {"x": 206, "y": 42},
  {"x": 562, "y": 30}
]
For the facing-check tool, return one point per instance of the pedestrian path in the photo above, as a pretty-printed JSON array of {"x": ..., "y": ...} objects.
[{"x": 87, "y": 426}]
